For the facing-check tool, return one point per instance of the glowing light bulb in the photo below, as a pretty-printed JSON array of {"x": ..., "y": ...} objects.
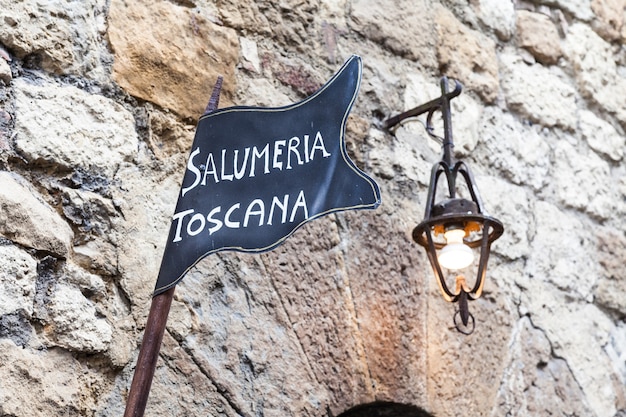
[{"x": 456, "y": 254}]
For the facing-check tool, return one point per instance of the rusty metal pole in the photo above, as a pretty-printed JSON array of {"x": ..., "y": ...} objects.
[
  {"x": 149, "y": 354},
  {"x": 155, "y": 326}
]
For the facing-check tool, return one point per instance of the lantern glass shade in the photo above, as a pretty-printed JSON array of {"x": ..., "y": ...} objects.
[
  {"x": 456, "y": 254},
  {"x": 454, "y": 228}
]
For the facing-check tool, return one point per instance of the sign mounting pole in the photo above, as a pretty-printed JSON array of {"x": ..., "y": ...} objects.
[{"x": 155, "y": 326}]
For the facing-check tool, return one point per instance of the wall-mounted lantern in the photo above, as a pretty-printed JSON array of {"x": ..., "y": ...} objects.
[{"x": 454, "y": 227}]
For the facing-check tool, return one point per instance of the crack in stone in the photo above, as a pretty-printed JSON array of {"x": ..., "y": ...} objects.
[
  {"x": 222, "y": 391},
  {"x": 554, "y": 355},
  {"x": 295, "y": 333}
]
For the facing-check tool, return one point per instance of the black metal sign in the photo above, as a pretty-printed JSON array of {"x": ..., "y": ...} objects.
[{"x": 257, "y": 174}]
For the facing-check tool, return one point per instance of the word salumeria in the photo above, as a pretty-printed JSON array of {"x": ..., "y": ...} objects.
[{"x": 240, "y": 164}]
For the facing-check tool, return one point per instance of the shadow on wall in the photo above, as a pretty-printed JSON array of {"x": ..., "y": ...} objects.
[{"x": 385, "y": 409}]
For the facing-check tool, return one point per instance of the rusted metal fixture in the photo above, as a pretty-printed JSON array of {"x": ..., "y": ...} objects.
[{"x": 454, "y": 227}]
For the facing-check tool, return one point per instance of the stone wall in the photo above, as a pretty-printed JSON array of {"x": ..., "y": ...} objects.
[{"x": 98, "y": 105}]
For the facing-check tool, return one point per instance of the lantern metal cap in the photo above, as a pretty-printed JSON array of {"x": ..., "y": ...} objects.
[
  {"x": 454, "y": 206},
  {"x": 474, "y": 225}
]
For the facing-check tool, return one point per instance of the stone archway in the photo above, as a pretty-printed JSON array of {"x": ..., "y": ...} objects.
[{"x": 385, "y": 409}]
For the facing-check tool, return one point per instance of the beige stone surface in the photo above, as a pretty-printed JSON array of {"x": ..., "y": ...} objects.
[
  {"x": 537, "y": 382},
  {"x": 96, "y": 123},
  {"x": 67, "y": 128},
  {"x": 602, "y": 136},
  {"x": 609, "y": 20},
  {"x": 515, "y": 243},
  {"x": 596, "y": 70},
  {"x": 610, "y": 292},
  {"x": 579, "y": 323},
  {"x": 168, "y": 55},
  {"x": 26, "y": 219},
  {"x": 517, "y": 153},
  {"x": 39, "y": 383},
  {"x": 466, "y": 55},
  {"x": 142, "y": 233},
  {"x": 593, "y": 192},
  {"x": 61, "y": 37},
  {"x": 537, "y": 33},
  {"x": 73, "y": 322},
  {"x": 404, "y": 27},
  {"x": 92, "y": 214},
  {"x": 452, "y": 358},
  {"x": 499, "y": 15},
  {"x": 538, "y": 93}
]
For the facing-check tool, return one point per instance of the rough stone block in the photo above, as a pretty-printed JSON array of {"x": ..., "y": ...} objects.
[
  {"x": 293, "y": 24},
  {"x": 518, "y": 152},
  {"x": 538, "y": 94},
  {"x": 596, "y": 70},
  {"x": 590, "y": 191},
  {"x": 537, "y": 33},
  {"x": 71, "y": 129},
  {"x": 535, "y": 375},
  {"x": 610, "y": 292},
  {"x": 404, "y": 27},
  {"x": 560, "y": 250},
  {"x": 499, "y": 15},
  {"x": 609, "y": 19},
  {"x": 62, "y": 37},
  {"x": 5, "y": 72},
  {"x": 39, "y": 383},
  {"x": 166, "y": 54},
  {"x": 514, "y": 243},
  {"x": 572, "y": 324},
  {"x": 252, "y": 330},
  {"x": 73, "y": 322},
  {"x": 18, "y": 276},
  {"x": 26, "y": 219},
  {"x": 141, "y": 230},
  {"x": 601, "y": 136},
  {"x": 467, "y": 55}
]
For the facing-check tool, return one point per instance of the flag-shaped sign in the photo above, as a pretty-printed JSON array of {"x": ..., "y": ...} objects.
[{"x": 257, "y": 174}]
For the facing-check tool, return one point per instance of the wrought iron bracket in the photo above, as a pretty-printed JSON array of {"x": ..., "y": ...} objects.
[{"x": 441, "y": 104}]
